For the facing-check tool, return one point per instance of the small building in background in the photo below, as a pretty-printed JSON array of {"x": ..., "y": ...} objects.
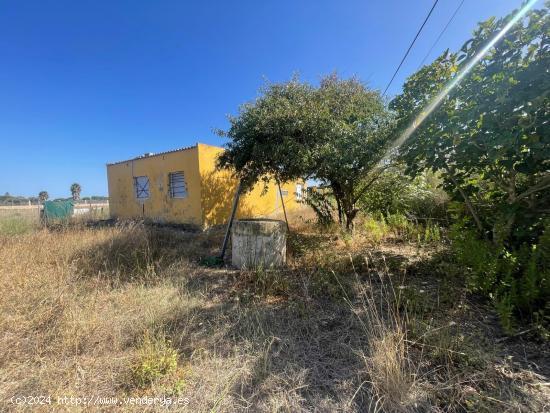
[{"x": 184, "y": 186}]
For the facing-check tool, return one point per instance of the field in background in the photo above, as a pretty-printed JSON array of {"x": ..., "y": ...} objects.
[
  {"x": 20, "y": 219},
  {"x": 375, "y": 322}
]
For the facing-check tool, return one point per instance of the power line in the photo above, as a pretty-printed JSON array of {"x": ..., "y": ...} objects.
[
  {"x": 442, "y": 33},
  {"x": 410, "y": 47}
]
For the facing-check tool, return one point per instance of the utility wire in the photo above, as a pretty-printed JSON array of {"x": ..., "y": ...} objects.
[
  {"x": 410, "y": 47},
  {"x": 442, "y": 33}
]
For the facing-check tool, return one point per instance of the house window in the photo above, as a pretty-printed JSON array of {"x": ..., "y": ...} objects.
[
  {"x": 299, "y": 195},
  {"x": 141, "y": 185},
  {"x": 177, "y": 185}
]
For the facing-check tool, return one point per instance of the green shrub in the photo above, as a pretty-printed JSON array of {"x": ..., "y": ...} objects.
[
  {"x": 378, "y": 226},
  {"x": 422, "y": 233},
  {"x": 432, "y": 233},
  {"x": 156, "y": 359},
  {"x": 478, "y": 256},
  {"x": 394, "y": 193},
  {"x": 376, "y": 229},
  {"x": 323, "y": 205},
  {"x": 516, "y": 279},
  {"x": 399, "y": 224}
]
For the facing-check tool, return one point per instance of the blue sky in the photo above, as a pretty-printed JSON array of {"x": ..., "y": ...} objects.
[{"x": 83, "y": 83}]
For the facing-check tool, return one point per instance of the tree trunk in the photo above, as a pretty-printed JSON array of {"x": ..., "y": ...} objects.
[
  {"x": 469, "y": 205},
  {"x": 502, "y": 231},
  {"x": 340, "y": 215},
  {"x": 350, "y": 212},
  {"x": 350, "y": 216},
  {"x": 339, "y": 204}
]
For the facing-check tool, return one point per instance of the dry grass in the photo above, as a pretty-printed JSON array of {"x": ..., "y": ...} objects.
[
  {"x": 393, "y": 375},
  {"x": 128, "y": 310}
]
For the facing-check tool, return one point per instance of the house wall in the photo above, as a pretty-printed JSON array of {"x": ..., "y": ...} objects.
[
  {"x": 209, "y": 192},
  {"x": 159, "y": 206},
  {"x": 218, "y": 190}
]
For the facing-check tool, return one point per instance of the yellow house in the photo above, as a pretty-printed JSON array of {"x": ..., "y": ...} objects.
[{"x": 184, "y": 186}]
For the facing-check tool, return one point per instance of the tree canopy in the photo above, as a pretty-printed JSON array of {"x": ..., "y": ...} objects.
[
  {"x": 335, "y": 133},
  {"x": 75, "y": 191},
  {"x": 490, "y": 138},
  {"x": 43, "y": 196}
]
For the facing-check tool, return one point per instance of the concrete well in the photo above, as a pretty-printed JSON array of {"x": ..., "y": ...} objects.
[{"x": 258, "y": 243}]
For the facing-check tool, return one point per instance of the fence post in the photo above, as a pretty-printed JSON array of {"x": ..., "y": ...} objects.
[
  {"x": 231, "y": 218},
  {"x": 283, "y": 204}
]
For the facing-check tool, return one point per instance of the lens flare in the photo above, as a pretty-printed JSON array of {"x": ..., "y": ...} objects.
[{"x": 434, "y": 103}]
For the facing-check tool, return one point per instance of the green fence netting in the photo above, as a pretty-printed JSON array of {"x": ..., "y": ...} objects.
[{"x": 58, "y": 210}]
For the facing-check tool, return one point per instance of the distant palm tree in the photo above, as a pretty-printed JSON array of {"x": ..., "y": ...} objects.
[
  {"x": 43, "y": 196},
  {"x": 75, "y": 191}
]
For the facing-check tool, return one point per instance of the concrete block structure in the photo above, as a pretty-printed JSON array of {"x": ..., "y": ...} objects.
[
  {"x": 184, "y": 186},
  {"x": 258, "y": 243}
]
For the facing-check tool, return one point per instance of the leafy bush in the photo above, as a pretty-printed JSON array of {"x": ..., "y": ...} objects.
[
  {"x": 489, "y": 141},
  {"x": 516, "y": 279},
  {"x": 376, "y": 229},
  {"x": 323, "y": 206},
  {"x": 395, "y": 193}
]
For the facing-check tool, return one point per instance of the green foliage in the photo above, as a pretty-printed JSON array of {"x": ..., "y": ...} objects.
[
  {"x": 432, "y": 233},
  {"x": 335, "y": 133},
  {"x": 75, "y": 191},
  {"x": 396, "y": 193},
  {"x": 490, "y": 137},
  {"x": 156, "y": 359},
  {"x": 479, "y": 256},
  {"x": 517, "y": 280},
  {"x": 490, "y": 141},
  {"x": 43, "y": 196},
  {"x": 376, "y": 229},
  {"x": 389, "y": 194},
  {"x": 323, "y": 206}
]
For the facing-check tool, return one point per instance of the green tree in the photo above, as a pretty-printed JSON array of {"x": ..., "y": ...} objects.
[
  {"x": 490, "y": 137},
  {"x": 336, "y": 133},
  {"x": 75, "y": 191},
  {"x": 43, "y": 196},
  {"x": 396, "y": 193}
]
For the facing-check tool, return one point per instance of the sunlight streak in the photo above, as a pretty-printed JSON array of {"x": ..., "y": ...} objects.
[{"x": 434, "y": 103}]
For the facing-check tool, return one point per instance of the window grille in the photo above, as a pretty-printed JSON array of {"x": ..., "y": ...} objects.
[{"x": 177, "y": 185}]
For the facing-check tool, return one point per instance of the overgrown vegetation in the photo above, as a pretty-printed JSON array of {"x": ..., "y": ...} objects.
[
  {"x": 486, "y": 145},
  {"x": 395, "y": 193},
  {"x": 355, "y": 322},
  {"x": 517, "y": 280},
  {"x": 490, "y": 142},
  {"x": 18, "y": 223}
]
